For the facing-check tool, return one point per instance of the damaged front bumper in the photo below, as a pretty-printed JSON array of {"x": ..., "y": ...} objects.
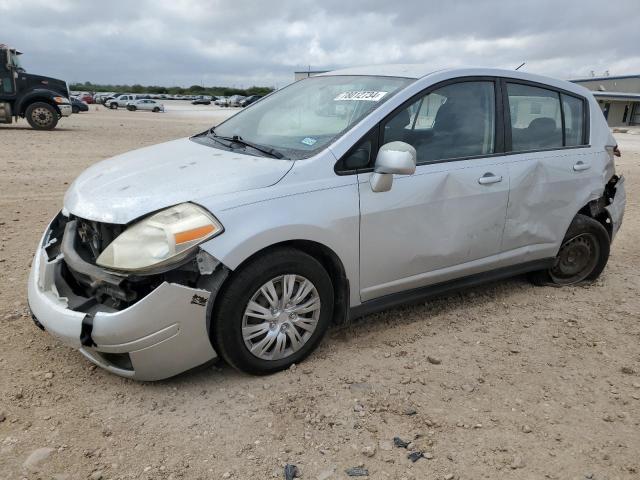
[{"x": 162, "y": 334}]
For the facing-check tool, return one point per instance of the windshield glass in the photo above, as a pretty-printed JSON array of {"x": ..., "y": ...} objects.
[{"x": 306, "y": 116}]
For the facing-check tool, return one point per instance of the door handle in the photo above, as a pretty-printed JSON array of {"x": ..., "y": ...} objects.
[
  {"x": 489, "y": 178},
  {"x": 581, "y": 166}
]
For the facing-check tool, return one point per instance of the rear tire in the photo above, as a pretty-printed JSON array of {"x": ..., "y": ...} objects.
[
  {"x": 41, "y": 116},
  {"x": 156, "y": 109},
  {"x": 582, "y": 256},
  {"x": 287, "y": 331}
]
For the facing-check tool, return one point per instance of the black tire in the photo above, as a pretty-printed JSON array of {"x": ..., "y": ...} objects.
[
  {"x": 113, "y": 106},
  {"x": 41, "y": 116},
  {"x": 132, "y": 108},
  {"x": 75, "y": 109},
  {"x": 230, "y": 307},
  {"x": 156, "y": 109},
  {"x": 582, "y": 256}
]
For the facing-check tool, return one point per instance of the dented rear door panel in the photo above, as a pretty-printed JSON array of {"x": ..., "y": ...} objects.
[{"x": 548, "y": 188}]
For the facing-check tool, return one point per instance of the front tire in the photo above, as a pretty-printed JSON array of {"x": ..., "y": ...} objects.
[
  {"x": 113, "y": 106},
  {"x": 582, "y": 256},
  {"x": 273, "y": 312},
  {"x": 41, "y": 116}
]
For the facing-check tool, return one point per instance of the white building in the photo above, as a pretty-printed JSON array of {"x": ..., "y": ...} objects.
[{"x": 619, "y": 97}]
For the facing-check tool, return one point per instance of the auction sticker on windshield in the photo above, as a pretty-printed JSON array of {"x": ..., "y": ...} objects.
[{"x": 363, "y": 95}]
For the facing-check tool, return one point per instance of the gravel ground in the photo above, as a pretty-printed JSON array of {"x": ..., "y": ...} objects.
[{"x": 504, "y": 381}]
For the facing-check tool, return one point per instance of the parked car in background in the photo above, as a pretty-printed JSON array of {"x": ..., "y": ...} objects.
[
  {"x": 77, "y": 106},
  {"x": 337, "y": 196},
  {"x": 234, "y": 100},
  {"x": 249, "y": 100},
  {"x": 201, "y": 100},
  {"x": 222, "y": 101},
  {"x": 86, "y": 98},
  {"x": 145, "y": 104},
  {"x": 120, "y": 101},
  {"x": 102, "y": 96}
]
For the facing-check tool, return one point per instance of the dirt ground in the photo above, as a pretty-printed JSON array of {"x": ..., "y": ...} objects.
[{"x": 526, "y": 382}]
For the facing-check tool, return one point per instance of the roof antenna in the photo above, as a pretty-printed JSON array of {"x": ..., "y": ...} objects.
[{"x": 520, "y": 66}]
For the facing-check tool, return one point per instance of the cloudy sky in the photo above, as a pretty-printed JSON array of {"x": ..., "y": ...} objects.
[{"x": 242, "y": 43}]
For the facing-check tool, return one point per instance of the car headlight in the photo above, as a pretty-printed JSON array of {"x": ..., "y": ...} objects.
[{"x": 164, "y": 237}]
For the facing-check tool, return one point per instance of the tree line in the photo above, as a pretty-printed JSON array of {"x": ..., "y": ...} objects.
[{"x": 155, "y": 89}]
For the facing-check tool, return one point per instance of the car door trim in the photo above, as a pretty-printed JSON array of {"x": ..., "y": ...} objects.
[{"x": 415, "y": 295}]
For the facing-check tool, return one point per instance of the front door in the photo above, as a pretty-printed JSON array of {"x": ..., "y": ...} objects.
[
  {"x": 446, "y": 220},
  {"x": 7, "y": 84}
]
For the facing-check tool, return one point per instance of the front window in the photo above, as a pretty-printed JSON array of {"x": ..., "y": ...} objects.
[
  {"x": 303, "y": 118},
  {"x": 15, "y": 60},
  {"x": 454, "y": 121}
]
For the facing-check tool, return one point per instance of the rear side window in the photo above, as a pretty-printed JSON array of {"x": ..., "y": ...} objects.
[
  {"x": 536, "y": 118},
  {"x": 573, "y": 109},
  {"x": 454, "y": 121}
]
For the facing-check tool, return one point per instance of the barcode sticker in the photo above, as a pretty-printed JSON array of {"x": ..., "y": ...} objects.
[{"x": 363, "y": 95}]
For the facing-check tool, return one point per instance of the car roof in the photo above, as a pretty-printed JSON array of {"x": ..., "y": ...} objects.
[{"x": 417, "y": 71}]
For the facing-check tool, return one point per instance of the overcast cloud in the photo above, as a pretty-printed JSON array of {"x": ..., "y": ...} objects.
[{"x": 242, "y": 43}]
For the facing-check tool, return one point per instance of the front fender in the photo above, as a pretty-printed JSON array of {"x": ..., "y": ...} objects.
[
  {"x": 40, "y": 95},
  {"x": 329, "y": 216}
]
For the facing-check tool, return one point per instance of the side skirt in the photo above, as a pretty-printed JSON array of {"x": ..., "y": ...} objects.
[{"x": 430, "y": 291}]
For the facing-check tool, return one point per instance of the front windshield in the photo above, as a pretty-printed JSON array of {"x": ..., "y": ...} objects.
[{"x": 306, "y": 116}]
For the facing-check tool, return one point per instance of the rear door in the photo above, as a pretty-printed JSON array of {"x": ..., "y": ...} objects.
[
  {"x": 552, "y": 169},
  {"x": 446, "y": 220}
]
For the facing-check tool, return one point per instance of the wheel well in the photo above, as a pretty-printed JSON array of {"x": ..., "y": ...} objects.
[
  {"x": 24, "y": 105},
  {"x": 331, "y": 263},
  {"x": 595, "y": 209}
]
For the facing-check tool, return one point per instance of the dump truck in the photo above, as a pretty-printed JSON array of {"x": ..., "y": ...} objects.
[{"x": 41, "y": 100}]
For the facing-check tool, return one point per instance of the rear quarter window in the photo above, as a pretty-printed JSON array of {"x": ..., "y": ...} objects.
[{"x": 573, "y": 109}]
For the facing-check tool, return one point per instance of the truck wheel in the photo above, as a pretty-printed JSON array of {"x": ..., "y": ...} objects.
[
  {"x": 41, "y": 116},
  {"x": 75, "y": 109},
  {"x": 582, "y": 256},
  {"x": 273, "y": 312},
  {"x": 113, "y": 106}
]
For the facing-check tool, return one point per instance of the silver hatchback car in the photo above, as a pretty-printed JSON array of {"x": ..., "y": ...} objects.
[
  {"x": 337, "y": 196},
  {"x": 145, "y": 104}
]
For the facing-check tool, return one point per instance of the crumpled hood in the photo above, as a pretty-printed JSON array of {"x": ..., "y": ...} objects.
[{"x": 125, "y": 187}]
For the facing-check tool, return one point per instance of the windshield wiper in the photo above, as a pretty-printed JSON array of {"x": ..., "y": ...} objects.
[{"x": 238, "y": 139}]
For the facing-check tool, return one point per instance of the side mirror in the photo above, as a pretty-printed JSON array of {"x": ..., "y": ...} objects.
[{"x": 397, "y": 158}]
